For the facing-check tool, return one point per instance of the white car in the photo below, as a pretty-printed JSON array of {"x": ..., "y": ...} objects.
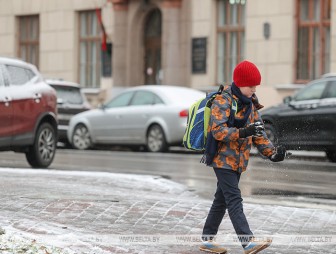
[{"x": 153, "y": 115}]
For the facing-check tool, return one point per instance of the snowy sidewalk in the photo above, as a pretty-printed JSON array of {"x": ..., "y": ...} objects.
[{"x": 91, "y": 212}]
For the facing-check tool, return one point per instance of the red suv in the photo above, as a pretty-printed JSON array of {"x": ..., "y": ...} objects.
[{"x": 28, "y": 113}]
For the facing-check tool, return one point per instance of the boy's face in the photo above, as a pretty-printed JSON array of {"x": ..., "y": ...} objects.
[{"x": 248, "y": 91}]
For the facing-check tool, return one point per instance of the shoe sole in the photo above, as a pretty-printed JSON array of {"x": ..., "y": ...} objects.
[
  {"x": 261, "y": 248},
  {"x": 212, "y": 251}
]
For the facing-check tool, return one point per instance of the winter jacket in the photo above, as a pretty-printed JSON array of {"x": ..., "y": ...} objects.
[{"x": 234, "y": 152}]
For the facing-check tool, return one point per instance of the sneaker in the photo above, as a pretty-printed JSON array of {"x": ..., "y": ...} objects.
[
  {"x": 213, "y": 247},
  {"x": 255, "y": 246}
]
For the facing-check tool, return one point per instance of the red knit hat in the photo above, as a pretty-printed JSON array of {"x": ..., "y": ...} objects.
[{"x": 246, "y": 74}]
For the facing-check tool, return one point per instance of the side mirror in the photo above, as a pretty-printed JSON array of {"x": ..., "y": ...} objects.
[
  {"x": 287, "y": 99},
  {"x": 101, "y": 106}
]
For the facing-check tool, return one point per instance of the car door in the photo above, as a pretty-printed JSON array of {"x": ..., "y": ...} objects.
[
  {"x": 107, "y": 124},
  {"x": 142, "y": 107},
  {"x": 6, "y": 110},
  {"x": 326, "y": 116},
  {"x": 26, "y": 102},
  {"x": 298, "y": 124}
]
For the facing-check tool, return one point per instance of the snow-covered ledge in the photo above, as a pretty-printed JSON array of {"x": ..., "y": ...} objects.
[{"x": 95, "y": 91}]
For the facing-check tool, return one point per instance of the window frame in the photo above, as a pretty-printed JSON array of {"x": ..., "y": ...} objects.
[
  {"x": 228, "y": 28},
  {"x": 310, "y": 23},
  {"x": 88, "y": 38},
  {"x": 27, "y": 21}
]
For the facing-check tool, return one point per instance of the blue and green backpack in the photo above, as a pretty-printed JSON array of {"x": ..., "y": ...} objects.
[{"x": 195, "y": 135}]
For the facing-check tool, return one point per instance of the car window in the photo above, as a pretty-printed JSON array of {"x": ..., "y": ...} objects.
[
  {"x": 18, "y": 75},
  {"x": 157, "y": 100},
  {"x": 2, "y": 78},
  {"x": 121, "y": 100},
  {"x": 5, "y": 75},
  {"x": 142, "y": 98},
  {"x": 69, "y": 95},
  {"x": 30, "y": 73},
  {"x": 331, "y": 93},
  {"x": 312, "y": 92}
]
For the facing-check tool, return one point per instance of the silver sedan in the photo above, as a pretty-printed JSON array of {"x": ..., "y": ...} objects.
[{"x": 154, "y": 116}]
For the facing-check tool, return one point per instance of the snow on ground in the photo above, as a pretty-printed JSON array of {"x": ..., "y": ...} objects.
[
  {"x": 84, "y": 212},
  {"x": 12, "y": 243}
]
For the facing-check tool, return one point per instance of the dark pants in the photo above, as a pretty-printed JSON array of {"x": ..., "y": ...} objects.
[{"x": 228, "y": 197}]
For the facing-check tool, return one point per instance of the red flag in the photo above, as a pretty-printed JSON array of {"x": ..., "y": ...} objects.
[{"x": 104, "y": 35}]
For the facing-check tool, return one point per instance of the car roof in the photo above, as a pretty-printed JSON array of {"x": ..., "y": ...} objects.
[
  {"x": 14, "y": 61},
  {"x": 21, "y": 63},
  {"x": 64, "y": 83},
  {"x": 172, "y": 94},
  {"x": 329, "y": 75},
  {"x": 159, "y": 88}
]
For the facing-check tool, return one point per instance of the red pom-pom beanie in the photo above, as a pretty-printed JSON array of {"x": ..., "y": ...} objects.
[{"x": 246, "y": 74}]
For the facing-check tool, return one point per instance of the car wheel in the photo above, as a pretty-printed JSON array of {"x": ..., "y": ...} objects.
[
  {"x": 81, "y": 139},
  {"x": 271, "y": 134},
  {"x": 156, "y": 141},
  {"x": 42, "y": 152},
  {"x": 331, "y": 155}
]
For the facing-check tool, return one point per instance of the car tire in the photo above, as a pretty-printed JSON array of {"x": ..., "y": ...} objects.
[
  {"x": 271, "y": 134},
  {"x": 42, "y": 152},
  {"x": 81, "y": 138},
  {"x": 331, "y": 155},
  {"x": 156, "y": 141}
]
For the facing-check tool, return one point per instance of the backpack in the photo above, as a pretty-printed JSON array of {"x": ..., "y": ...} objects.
[{"x": 195, "y": 135}]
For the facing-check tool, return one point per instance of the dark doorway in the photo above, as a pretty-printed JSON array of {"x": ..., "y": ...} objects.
[{"x": 152, "y": 41}]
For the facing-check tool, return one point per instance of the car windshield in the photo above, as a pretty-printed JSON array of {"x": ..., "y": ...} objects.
[
  {"x": 312, "y": 92},
  {"x": 69, "y": 95}
]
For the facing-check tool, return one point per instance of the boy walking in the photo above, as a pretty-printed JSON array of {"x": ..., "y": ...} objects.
[{"x": 235, "y": 134}]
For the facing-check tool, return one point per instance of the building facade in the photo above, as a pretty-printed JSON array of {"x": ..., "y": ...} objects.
[{"x": 194, "y": 43}]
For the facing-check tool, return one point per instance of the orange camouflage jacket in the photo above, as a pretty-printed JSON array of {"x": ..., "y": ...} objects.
[{"x": 234, "y": 152}]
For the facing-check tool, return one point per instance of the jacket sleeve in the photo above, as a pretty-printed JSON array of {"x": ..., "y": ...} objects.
[
  {"x": 220, "y": 113},
  {"x": 263, "y": 144}
]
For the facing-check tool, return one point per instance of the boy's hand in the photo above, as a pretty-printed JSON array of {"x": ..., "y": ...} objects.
[
  {"x": 279, "y": 154},
  {"x": 254, "y": 129}
]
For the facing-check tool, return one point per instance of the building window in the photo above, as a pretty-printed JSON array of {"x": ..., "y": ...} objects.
[
  {"x": 230, "y": 37},
  {"x": 89, "y": 49},
  {"x": 313, "y": 39},
  {"x": 29, "y": 31}
]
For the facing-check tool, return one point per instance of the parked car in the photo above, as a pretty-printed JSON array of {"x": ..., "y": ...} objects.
[
  {"x": 70, "y": 101},
  {"x": 28, "y": 121},
  {"x": 154, "y": 116},
  {"x": 306, "y": 120}
]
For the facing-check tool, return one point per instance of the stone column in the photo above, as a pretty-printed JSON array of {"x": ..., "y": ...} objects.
[
  {"x": 171, "y": 42},
  {"x": 120, "y": 42}
]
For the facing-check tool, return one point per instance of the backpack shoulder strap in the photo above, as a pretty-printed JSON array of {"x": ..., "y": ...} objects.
[
  {"x": 221, "y": 91},
  {"x": 233, "y": 102}
]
